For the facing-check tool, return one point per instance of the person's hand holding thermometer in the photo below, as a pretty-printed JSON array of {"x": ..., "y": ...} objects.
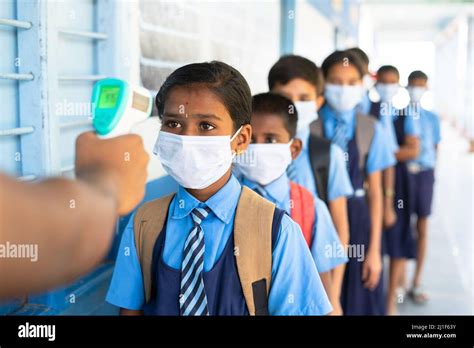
[{"x": 117, "y": 158}]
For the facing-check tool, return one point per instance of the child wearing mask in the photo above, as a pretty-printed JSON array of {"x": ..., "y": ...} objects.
[
  {"x": 367, "y": 80},
  {"x": 300, "y": 80},
  {"x": 214, "y": 247},
  {"x": 387, "y": 87},
  {"x": 263, "y": 166},
  {"x": 422, "y": 171},
  {"x": 399, "y": 239},
  {"x": 363, "y": 140}
]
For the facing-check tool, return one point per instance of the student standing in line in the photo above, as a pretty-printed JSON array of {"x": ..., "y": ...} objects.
[
  {"x": 363, "y": 140},
  {"x": 422, "y": 171},
  {"x": 214, "y": 247},
  {"x": 367, "y": 80},
  {"x": 274, "y": 145},
  {"x": 399, "y": 241},
  {"x": 387, "y": 87},
  {"x": 321, "y": 166}
]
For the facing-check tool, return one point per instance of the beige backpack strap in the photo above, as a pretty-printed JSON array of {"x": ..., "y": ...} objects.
[
  {"x": 365, "y": 131},
  {"x": 147, "y": 225},
  {"x": 253, "y": 245},
  {"x": 316, "y": 128}
]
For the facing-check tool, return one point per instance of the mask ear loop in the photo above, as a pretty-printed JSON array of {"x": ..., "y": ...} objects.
[{"x": 232, "y": 139}]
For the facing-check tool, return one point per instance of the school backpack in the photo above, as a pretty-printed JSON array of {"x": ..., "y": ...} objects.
[
  {"x": 319, "y": 150},
  {"x": 253, "y": 244},
  {"x": 302, "y": 210}
]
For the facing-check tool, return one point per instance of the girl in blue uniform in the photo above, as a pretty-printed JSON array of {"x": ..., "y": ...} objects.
[
  {"x": 205, "y": 110},
  {"x": 399, "y": 240},
  {"x": 362, "y": 292}
]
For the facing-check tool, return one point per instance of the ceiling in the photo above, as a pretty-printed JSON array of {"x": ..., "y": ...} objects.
[{"x": 412, "y": 20}]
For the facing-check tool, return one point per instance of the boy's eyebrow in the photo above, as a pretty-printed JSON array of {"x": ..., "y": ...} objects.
[
  {"x": 202, "y": 116},
  {"x": 270, "y": 133}
]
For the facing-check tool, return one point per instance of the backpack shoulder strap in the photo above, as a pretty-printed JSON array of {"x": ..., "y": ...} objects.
[
  {"x": 302, "y": 210},
  {"x": 319, "y": 156},
  {"x": 365, "y": 131},
  {"x": 253, "y": 248},
  {"x": 147, "y": 225},
  {"x": 316, "y": 128}
]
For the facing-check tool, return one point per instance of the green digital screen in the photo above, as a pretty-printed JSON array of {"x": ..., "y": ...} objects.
[{"x": 108, "y": 97}]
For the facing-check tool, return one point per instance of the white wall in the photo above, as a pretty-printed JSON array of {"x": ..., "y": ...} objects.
[{"x": 314, "y": 33}]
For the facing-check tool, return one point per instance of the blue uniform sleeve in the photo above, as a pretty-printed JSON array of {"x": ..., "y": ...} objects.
[
  {"x": 339, "y": 183},
  {"x": 126, "y": 288},
  {"x": 380, "y": 154},
  {"x": 412, "y": 125},
  {"x": 326, "y": 247},
  {"x": 436, "y": 129},
  {"x": 296, "y": 288}
]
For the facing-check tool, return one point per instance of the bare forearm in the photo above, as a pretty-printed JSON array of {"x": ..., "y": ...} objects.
[
  {"x": 69, "y": 222},
  {"x": 388, "y": 183},
  {"x": 409, "y": 150},
  {"x": 337, "y": 278},
  {"x": 338, "y": 210},
  {"x": 375, "y": 209},
  {"x": 326, "y": 279}
]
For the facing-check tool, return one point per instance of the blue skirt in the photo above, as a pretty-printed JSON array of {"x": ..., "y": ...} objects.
[
  {"x": 399, "y": 240},
  {"x": 355, "y": 298}
]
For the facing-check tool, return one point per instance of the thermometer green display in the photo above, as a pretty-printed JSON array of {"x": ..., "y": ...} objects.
[{"x": 118, "y": 106}]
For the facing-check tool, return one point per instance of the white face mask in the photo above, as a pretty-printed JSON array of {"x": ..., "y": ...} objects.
[
  {"x": 387, "y": 91},
  {"x": 195, "y": 162},
  {"x": 264, "y": 163},
  {"x": 343, "y": 97},
  {"x": 416, "y": 93},
  {"x": 307, "y": 113}
]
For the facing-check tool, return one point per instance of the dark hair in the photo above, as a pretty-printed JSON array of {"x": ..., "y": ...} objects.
[
  {"x": 417, "y": 74},
  {"x": 361, "y": 54},
  {"x": 221, "y": 79},
  {"x": 388, "y": 69},
  {"x": 343, "y": 57},
  {"x": 291, "y": 67},
  {"x": 275, "y": 104}
]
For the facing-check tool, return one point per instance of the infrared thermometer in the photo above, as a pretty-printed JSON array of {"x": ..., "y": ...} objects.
[{"x": 117, "y": 106}]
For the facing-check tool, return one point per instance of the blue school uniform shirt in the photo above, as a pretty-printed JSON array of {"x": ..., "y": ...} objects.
[
  {"x": 326, "y": 247},
  {"x": 386, "y": 120},
  {"x": 364, "y": 105},
  {"x": 430, "y": 136},
  {"x": 380, "y": 154},
  {"x": 339, "y": 183},
  {"x": 296, "y": 288},
  {"x": 411, "y": 122}
]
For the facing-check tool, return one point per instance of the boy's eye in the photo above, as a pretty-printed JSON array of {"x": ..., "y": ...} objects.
[
  {"x": 206, "y": 126},
  {"x": 270, "y": 140},
  {"x": 172, "y": 124}
]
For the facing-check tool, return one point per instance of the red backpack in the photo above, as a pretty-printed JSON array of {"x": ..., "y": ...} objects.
[{"x": 302, "y": 210}]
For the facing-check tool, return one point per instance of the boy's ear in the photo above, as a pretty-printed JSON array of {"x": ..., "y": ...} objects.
[
  {"x": 242, "y": 140},
  {"x": 295, "y": 148},
  {"x": 319, "y": 102}
]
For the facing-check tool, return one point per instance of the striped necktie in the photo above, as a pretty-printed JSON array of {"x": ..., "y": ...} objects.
[
  {"x": 291, "y": 171},
  {"x": 340, "y": 134},
  {"x": 193, "y": 300}
]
